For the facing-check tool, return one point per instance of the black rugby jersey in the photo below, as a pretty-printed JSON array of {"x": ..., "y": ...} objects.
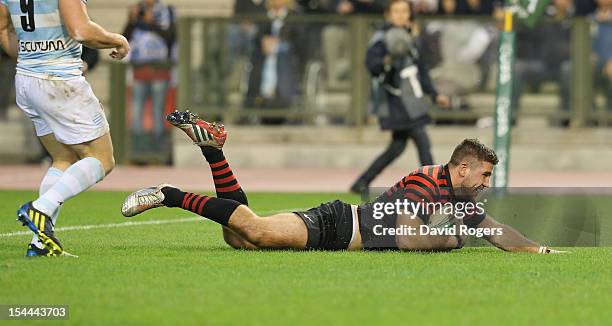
[{"x": 427, "y": 184}]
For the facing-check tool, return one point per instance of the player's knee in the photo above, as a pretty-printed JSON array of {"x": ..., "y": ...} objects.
[
  {"x": 258, "y": 237},
  {"x": 245, "y": 222},
  {"x": 63, "y": 163},
  {"x": 109, "y": 165},
  {"x": 232, "y": 240},
  {"x": 107, "y": 161}
]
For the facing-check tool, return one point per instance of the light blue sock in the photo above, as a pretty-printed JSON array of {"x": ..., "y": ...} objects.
[
  {"x": 52, "y": 176},
  {"x": 76, "y": 179}
]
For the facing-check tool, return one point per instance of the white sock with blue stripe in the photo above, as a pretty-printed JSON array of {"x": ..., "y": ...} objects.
[
  {"x": 52, "y": 176},
  {"x": 76, "y": 179}
]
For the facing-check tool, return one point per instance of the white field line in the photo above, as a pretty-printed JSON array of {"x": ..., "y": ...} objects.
[{"x": 130, "y": 223}]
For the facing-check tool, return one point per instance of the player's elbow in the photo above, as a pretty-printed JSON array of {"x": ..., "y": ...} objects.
[
  {"x": 80, "y": 33},
  {"x": 498, "y": 242},
  {"x": 413, "y": 243},
  {"x": 81, "y": 30},
  {"x": 402, "y": 243}
]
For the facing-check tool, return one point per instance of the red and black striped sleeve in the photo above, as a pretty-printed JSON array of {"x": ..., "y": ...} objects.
[{"x": 420, "y": 187}]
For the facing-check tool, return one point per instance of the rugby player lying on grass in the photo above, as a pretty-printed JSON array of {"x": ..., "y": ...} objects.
[{"x": 337, "y": 225}]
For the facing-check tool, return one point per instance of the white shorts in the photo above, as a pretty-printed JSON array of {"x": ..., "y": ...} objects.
[{"x": 67, "y": 108}]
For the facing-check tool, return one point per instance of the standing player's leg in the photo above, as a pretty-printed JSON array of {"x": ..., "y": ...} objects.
[
  {"x": 73, "y": 113},
  {"x": 210, "y": 138},
  {"x": 281, "y": 231},
  {"x": 96, "y": 161},
  {"x": 62, "y": 157}
]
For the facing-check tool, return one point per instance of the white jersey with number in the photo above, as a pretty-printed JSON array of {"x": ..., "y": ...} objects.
[
  {"x": 46, "y": 50},
  {"x": 49, "y": 85}
]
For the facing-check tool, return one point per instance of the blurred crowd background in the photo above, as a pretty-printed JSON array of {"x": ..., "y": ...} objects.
[
  {"x": 301, "y": 57},
  {"x": 301, "y": 62}
]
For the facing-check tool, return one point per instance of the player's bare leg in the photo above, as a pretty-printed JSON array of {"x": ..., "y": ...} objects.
[
  {"x": 236, "y": 241},
  {"x": 281, "y": 231},
  {"x": 62, "y": 157},
  {"x": 95, "y": 160},
  {"x": 211, "y": 137},
  {"x": 100, "y": 148}
]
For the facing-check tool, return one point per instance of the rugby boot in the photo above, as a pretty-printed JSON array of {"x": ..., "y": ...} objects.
[{"x": 201, "y": 132}]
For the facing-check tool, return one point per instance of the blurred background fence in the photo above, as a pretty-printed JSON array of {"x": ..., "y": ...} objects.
[
  {"x": 214, "y": 73},
  {"x": 323, "y": 88}
]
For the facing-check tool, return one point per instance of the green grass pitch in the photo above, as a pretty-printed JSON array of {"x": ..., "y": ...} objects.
[{"x": 183, "y": 273}]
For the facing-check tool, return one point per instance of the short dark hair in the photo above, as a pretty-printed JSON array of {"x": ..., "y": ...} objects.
[
  {"x": 473, "y": 148},
  {"x": 392, "y": 2},
  {"x": 410, "y": 6}
]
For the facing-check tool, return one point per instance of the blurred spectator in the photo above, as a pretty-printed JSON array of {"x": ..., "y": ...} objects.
[
  {"x": 239, "y": 39},
  {"x": 447, "y": 8},
  {"x": 336, "y": 47},
  {"x": 313, "y": 31},
  {"x": 7, "y": 79},
  {"x": 344, "y": 7},
  {"x": 151, "y": 32},
  {"x": 317, "y": 6},
  {"x": 585, "y": 7},
  {"x": 543, "y": 54},
  {"x": 602, "y": 46},
  {"x": 242, "y": 7},
  {"x": 274, "y": 78},
  {"x": 400, "y": 81},
  {"x": 462, "y": 44},
  {"x": 475, "y": 7},
  {"x": 424, "y": 7}
]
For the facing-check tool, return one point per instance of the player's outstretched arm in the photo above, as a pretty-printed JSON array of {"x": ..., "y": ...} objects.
[
  {"x": 510, "y": 239},
  {"x": 8, "y": 38},
  {"x": 92, "y": 35},
  {"x": 414, "y": 241}
]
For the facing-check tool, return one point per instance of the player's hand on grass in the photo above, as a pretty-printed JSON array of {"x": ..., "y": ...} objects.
[
  {"x": 553, "y": 251},
  {"x": 443, "y": 101},
  {"x": 546, "y": 250},
  {"x": 122, "y": 49}
]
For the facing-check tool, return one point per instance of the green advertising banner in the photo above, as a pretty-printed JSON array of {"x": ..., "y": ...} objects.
[
  {"x": 529, "y": 12},
  {"x": 503, "y": 110}
]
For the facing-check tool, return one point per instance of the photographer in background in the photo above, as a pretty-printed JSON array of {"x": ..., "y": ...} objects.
[
  {"x": 401, "y": 79},
  {"x": 152, "y": 34}
]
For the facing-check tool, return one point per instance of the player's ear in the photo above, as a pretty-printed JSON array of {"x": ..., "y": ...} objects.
[{"x": 464, "y": 169}]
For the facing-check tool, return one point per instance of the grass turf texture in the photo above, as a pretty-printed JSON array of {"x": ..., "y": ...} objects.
[{"x": 184, "y": 273}]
